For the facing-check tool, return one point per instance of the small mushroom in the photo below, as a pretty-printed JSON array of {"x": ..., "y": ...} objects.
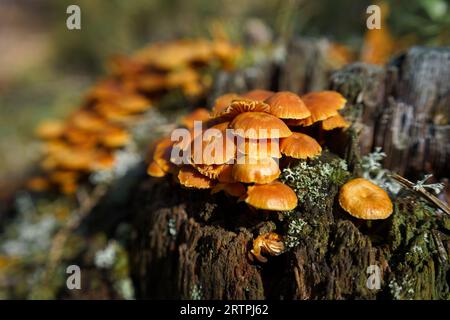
[
  {"x": 322, "y": 105},
  {"x": 258, "y": 95},
  {"x": 365, "y": 200},
  {"x": 335, "y": 122},
  {"x": 50, "y": 129},
  {"x": 274, "y": 196},
  {"x": 259, "y": 125},
  {"x": 222, "y": 102},
  {"x": 256, "y": 170},
  {"x": 199, "y": 114},
  {"x": 155, "y": 170},
  {"x": 300, "y": 146},
  {"x": 38, "y": 184},
  {"x": 114, "y": 137},
  {"x": 191, "y": 178},
  {"x": 241, "y": 105},
  {"x": 287, "y": 105},
  {"x": 270, "y": 243},
  {"x": 260, "y": 148}
]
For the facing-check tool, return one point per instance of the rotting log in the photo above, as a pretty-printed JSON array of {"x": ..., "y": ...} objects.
[{"x": 193, "y": 245}]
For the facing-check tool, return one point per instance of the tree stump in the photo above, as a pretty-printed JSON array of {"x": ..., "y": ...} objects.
[{"x": 193, "y": 245}]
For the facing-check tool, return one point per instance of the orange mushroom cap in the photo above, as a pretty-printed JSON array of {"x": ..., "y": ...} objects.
[
  {"x": 115, "y": 137},
  {"x": 257, "y": 170},
  {"x": 155, "y": 170},
  {"x": 239, "y": 106},
  {"x": 365, "y": 200},
  {"x": 213, "y": 147},
  {"x": 226, "y": 174},
  {"x": 287, "y": 105},
  {"x": 50, "y": 129},
  {"x": 260, "y": 148},
  {"x": 259, "y": 125},
  {"x": 274, "y": 196},
  {"x": 322, "y": 105},
  {"x": 199, "y": 114},
  {"x": 191, "y": 178},
  {"x": 38, "y": 184},
  {"x": 222, "y": 102},
  {"x": 161, "y": 154},
  {"x": 300, "y": 146},
  {"x": 271, "y": 243},
  {"x": 258, "y": 94},
  {"x": 335, "y": 122}
]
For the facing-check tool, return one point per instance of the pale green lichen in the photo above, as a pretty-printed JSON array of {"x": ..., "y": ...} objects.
[
  {"x": 172, "y": 227},
  {"x": 311, "y": 179},
  {"x": 402, "y": 289},
  {"x": 196, "y": 292},
  {"x": 294, "y": 231}
]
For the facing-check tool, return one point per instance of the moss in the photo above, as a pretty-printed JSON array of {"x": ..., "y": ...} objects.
[{"x": 311, "y": 179}]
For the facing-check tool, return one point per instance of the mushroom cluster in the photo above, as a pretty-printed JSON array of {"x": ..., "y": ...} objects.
[
  {"x": 241, "y": 146},
  {"x": 85, "y": 142}
]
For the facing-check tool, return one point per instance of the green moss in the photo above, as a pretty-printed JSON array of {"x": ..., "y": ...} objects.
[{"x": 311, "y": 179}]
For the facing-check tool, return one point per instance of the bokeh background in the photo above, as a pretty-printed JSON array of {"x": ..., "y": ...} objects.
[{"x": 44, "y": 67}]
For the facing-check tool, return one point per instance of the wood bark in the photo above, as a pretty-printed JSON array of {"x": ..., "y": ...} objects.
[{"x": 192, "y": 245}]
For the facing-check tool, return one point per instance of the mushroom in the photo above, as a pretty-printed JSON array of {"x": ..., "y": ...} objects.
[
  {"x": 199, "y": 114},
  {"x": 259, "y": 125},
  {"x": 38, "y": 184},
  {"x": 258, "y": 95},
  {"x": 191, "y": 178},
  {"x": 239, "y": 106},
  {"x": 114, "y": 137},
  {"x": 259, "y": 148},
  {"x": 161, "y": 154},
  {"x": 222, "y": 102},
  {"x": 300, "y": 146},
  {"x": 155, "y": 170},
  {"x": 213, "y": 147},
  {"x": 257, "y": 170},
  {"x": 274, "y": 196},
  {"x": 365, "y": 200},
  {"x": 287, "y": 105},
  {"x": 50, "y": 129},
  {"x": 322, "y": 105},
  {"x": 335, "y": 122},
  {"x": 270, "y": 243}
]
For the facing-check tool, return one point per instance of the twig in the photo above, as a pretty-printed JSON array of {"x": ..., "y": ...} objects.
[{"x": 422, "y": 192}]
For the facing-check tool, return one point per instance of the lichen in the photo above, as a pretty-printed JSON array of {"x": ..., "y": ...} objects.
[
  {"x": 311, "y": 179},
  {"x": 294, "y": 231},
  {"x": 196, "y": 292}
]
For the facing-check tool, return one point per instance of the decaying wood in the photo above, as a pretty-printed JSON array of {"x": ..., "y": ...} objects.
[{"x": 192, "y": 245}]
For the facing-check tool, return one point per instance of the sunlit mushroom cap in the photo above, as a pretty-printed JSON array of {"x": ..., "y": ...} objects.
[
  {"x": 102, "y": 160},
  {"x": 38, "y": 184},
  {"x": 133, "y": 103},
  {"x": 259, "y": 148},
  {"x": 234, "y": 189},
  {"x": 50, "y": 129},
  {"x": 115, "y": 137},
  {"x": 259, "y": 125},
  {"x": 258, "y": 95},
  {"x": 213, "y": 147},
  {"x": 191, "y": 178},
  {"x": 335, "y": 122},
  {"x": 222, "y": 102},
  {"x": 239, "y": 106},
  {"x": 155, "y": 170},
  {"x": 300, "y": 146},
  {"x": 87, "y": 120},
  {"x": 270, "y": 243},
  {"x": 211, "y": 171},
  {"x": 199, "y": 114},
  {"x": 322, "y": 105},
  {"x": 161, "y": 154},
  {"x": 287, "y": 105},
  {"x": 256, "y": 170},
  {"x": 274, "y": 196},
  {"x": 365, "y": 200},
  {"x": 151, "y": 82}
]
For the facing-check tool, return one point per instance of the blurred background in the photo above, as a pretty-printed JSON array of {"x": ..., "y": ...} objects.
[{"x": 44, "y": 67}]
